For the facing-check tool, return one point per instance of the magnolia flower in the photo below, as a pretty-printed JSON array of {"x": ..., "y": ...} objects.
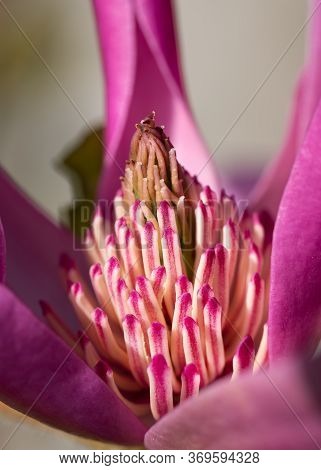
[{"x": 191, "y": 294}]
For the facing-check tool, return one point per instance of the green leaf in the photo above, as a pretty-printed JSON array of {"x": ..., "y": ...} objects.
[{"x": 82, "y": 166}]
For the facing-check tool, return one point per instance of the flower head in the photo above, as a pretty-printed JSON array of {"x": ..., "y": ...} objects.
[
  {"x": 200, "y": 261},
  {"x": 179, "y": 283}
]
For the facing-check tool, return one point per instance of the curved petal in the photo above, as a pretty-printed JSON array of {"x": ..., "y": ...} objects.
[
  {"x": 295, "y": 296},
  {"x": 269, "y": 189},
  {"x": 225, "y": 416},
  {"x": 34, "y": 245},
  {"x": 157, "y": 22},
  {"x": 43, "y": 378},
  {"x": 142, "y": 74},
  {"x": 2, "y": 253}
]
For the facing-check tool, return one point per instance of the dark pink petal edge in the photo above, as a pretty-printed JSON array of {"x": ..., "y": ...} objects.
[
  {"x": 34, "y": 244},
  {"x": 283, "y": 415},
  {"x": 2, "y": 253},
  {"x": 42, "y": 377},
  {"x": 295, "y": 296}
]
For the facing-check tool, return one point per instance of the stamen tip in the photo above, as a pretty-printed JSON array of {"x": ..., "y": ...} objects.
[
  {"x": 95, "y": 270},
  {"x": 66, "y": 262}
]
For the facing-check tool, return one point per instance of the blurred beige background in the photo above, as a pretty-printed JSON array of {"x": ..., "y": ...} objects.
[{"x": 228, "y": 48}]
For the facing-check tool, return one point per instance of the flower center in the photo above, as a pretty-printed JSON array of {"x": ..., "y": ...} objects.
[{"x": 180, "y": 284}]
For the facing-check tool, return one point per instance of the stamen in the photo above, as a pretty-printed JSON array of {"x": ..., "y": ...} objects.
[
  {"x": 205, "y": 233},
  {"x": 203, "y": 295},
  {"x": 204, "y": 274},
  {"x": 158, "y": 278},
  {"x": 190, "y": 382},
  {"x": 108, "y": 342},
  {"x": 150, "y": 245},
  {"x": 110, "y": 246},
  {"x": 68, "y": 268},
  {"x": 208, "y": 196},
  {"x": 182, "y": 286},
  {"x": 230, "y": 242},
  {"x": 136, "y": 215},
  {"x": 136, "y": 305},
  {"x": 91, "y": 356},
  {"x": 172, "y": 263},
  {"x": 112, "y": 276},
  {"x": 261, "y": 357},
  {"x": 158, "y": 343},
  {"x": 255, "y": 264},
  {"x": 98, "y": 231},
  {"x": 221, "y": 277},
  {"x": 81, "y": 304},
  {"x": 183, "y": 308},
  {"x": 119, "y": 206},
  {"x": 244, "y": 357},
  {"x": 205, "y": 271},
  {"x": 166, "y": 217},
  {"x": 174, "y": 172},
  {"x": 193, "y": 348},
  {"x": 121, "y": 295},
  {"x": 134, "y": 340},
  {"x": 150, "y": 172},
  {"x": 98, "y": 283},
  {"x": 106, "y": 373},
  {"x": 258, "y": 231},
  {"x": 158, "y": 195},
  {"x": 254, "y": 304},
  {"x": 92, "y": 253},
  {"x": 213, "y": 338},
  {"x": 112, "y": 272},
  {"x": 160, "y": 385},
  {"x": 145, "y": 289},
  {"x": 166, "y": 193},
  {"x": 129, "y": 252}
]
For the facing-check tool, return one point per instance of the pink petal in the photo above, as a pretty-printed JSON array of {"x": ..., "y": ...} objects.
[
  {"x": 2, "y": 253},
  {"x": 142, "y": 74},
  {"x": 157, "y": 22},
  {"x": 270, "y": 187},
  {"x": 34, "y": 245},
  {"x": 295, "y": 298},
  {"x": 41, "y": 377},
  {"x": 273, "y": 410}
]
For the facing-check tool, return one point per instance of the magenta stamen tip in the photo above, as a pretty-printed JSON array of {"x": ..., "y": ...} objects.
[
  {"x": 257, "y": 282},
  {"x": 158, "y": 364},
  {"x": 75, "y": 288},
  {"x": 189, "y": 323},
  {"x": 213, "y": 305},
  {"x": 110, "y": 240},
  {"x": 45, "y": 307},
  {"x": 98, "y": 315},
  {"x": 157, "y": 327},
  {"x": 95, "y": 270},
  {"x": 112, "y": 264},
  {"x": 66, "y": 262},
  {"x": 245, "y": 351},
  {"x": 103, "y": 369},
  {"x": 130, "y": 320}
]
